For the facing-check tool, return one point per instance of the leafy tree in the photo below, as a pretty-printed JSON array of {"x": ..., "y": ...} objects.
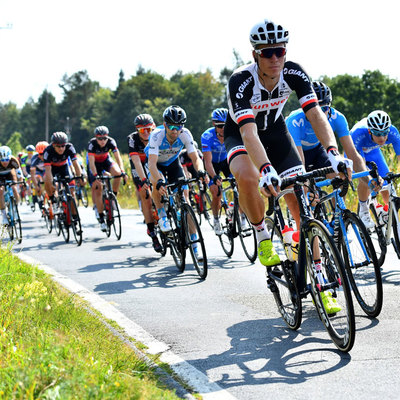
[{"x": 14, "y": 143}]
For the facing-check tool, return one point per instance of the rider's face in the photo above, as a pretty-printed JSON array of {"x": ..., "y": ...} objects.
[
  {"x": 381, "y": 140},
  {"x": 270, "y": 66}
]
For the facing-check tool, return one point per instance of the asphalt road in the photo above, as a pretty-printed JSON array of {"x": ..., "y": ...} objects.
[{"x": 227, "y": 326}]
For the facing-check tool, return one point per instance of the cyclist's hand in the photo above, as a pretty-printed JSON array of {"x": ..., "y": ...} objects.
[
  {"x": 144, "y": 184},
  {"x": 217, "y": 180},
  {"x": 124, "y": 177},
  {"x": 335, "y": 159},
  {"x": 161, "y": 187},
  {"x": 203, "y": 176},
  {"x": 375, "y": 185},
  {"x": 270, "y": 181}
]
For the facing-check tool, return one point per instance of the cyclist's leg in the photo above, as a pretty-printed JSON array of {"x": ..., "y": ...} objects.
[
  {"x": 376, "y": 156},
  {"x": 114, "y": 169}
]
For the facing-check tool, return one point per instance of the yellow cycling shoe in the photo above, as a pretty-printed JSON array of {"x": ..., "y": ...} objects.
[
  {"x": 330, "y": 303},
  {"x": 267, "y": 254}
]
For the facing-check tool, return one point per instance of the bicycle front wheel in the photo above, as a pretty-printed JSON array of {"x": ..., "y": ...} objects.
[
  {"x": 175, "y": 241},
  {"x": 116, "y": 216},
  {"x": 330, "y": 283},
  {"x": 362, "y": 266},
  {"x": 84, "y": 196},
  {"x": 377, "y": 235},
  {"x": 75, "y": 221},
  {"x": 194, "y": 241},
  {"x": 226, "y": 238},
  {"x": 281, "y": 280},
  {"x": 247, "y": 235},
  {"x": 205, "y": 206},
  {"x": 17, "y": 227},
  {"x": 63, "y": 220}
]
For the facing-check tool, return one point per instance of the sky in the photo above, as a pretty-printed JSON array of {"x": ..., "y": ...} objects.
[{"x": 51, "y": 38}]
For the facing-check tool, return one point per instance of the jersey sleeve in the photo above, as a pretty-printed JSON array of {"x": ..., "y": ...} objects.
[
  {"x": 395, "y": 139},
  {"x": 205, "y": 142},
  {"x": 112, "y": 145},
  {"x": 153, "y": 146},
  {"x": 239, "y": 93},
  {"x": 341, "y": 126},
  {"x": 357, "y": 137},
  {"x": 188, "y": 141}
]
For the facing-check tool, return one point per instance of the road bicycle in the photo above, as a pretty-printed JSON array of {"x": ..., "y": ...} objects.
[
  {"x": 235, "y": 224},
  {"x": 352, "y": 239},
  {"x": 111, "y": 206},
  {"x": 14, "y": 227},
  {"x": 67, "y": 216},
  {"x": 291, "y": 281},
  {"x": 387, "y": 222},
  {"x": 185, "y": 233}
]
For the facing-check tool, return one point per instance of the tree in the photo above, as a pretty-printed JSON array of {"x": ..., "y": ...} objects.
[{"x": 14, "y": 143}]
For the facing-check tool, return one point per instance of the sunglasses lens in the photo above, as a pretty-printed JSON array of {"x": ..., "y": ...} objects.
[
  {"x": 220, "y": 126},
  {"x": 102, "y": 137},
  {"x": 144, "y": 130},
  {"x": 379, "y": 133},
  {"x": 278, "y": 51},
  {"x": 175, "y": 127}
]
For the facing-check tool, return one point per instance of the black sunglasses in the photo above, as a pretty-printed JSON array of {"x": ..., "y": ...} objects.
[{"x": 270, "y": 51}]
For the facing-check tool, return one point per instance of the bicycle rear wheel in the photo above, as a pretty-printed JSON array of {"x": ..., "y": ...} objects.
[
  {"x": 194, "y": 241},
  {"x": 47, "y": 220},
  {"x": 340, "y": 325},
  {"x": 281, "y": 280},
  {"x": 396, "y": 224},
  {"x": 247, "y": 235},
  {"x": 362, "y": 266}
]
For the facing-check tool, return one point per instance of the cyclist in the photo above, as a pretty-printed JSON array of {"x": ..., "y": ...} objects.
[
  {"x": 163, "y": 150},
  {"x": 55, "y": 158},
  {"x": 312, "y": 152},
  {"x": 99, "y": 160},
  {"x": 187, "y": 164},
  {"x": 215, "y": 161},
  {"x": 369, "y": 135},
  {"x": 38, "y": 168},
  {"x": 25, "y": 162},
  {"x": 9, "y": 167},
  {"x": 137, "y": 141},
  {"x": 256, "y": 136}
]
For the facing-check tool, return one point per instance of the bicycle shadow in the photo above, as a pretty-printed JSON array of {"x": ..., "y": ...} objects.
[
  {"x": 391, "y": 277},
  {"x": 265, "y": 352}
]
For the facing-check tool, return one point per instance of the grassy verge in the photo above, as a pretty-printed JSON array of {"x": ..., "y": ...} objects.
[{"x": 53, "y": 348}]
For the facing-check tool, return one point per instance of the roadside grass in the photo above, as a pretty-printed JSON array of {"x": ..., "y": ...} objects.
[{"x": 53, "y": 348}]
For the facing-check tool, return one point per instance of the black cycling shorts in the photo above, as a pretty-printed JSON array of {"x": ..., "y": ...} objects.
[
  {"x": 278, "y": 144},
  {"x": 172, "y": 172},
  {"x": 316, "y": 158}
]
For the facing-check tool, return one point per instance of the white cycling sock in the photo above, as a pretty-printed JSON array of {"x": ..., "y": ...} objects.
[{"x": 261, "y": 231}]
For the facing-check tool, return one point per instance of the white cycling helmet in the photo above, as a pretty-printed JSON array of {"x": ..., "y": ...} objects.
[
  {"x": 379, "y": 121},
  {"x": 267, "y": 32},
  {"x": 5, "y": 153}
]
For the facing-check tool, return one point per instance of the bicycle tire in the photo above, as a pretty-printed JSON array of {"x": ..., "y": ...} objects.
[
  {"x": 63, "y": 220},
  {"x": 76, "y": 225},
  {"x": 84, "y": 196},
  {"x": 108, "y": 214},
  {"x": 362, "y": 266},
  {"x": 378, "y": 237},
  {"x": 17, "y": 222},
  {"x": 340, "y": 325},
  {"x": 47, "y": 220},
  {"x": 247, "y": 235},
  {"x": 175, "y": 241},
  {"x": 195, "y": 203},
  {"x": 395, "y": 228},
  {"x": 281, "y": 281},
  {"x": 199, "y": 257},
  {"x": 226, "y": 239},
  {"x": 116, "y": 216},
  {"x": 205, "y": 201}
]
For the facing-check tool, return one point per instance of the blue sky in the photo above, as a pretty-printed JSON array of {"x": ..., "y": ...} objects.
[{"x": 50, "y": 38}]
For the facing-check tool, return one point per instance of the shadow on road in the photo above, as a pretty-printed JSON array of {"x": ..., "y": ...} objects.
[{"x": 264, "y": 352}]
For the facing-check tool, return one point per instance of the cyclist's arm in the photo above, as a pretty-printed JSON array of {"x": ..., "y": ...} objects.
[
  {"x": 34, "y": 180},
  {"x": 138, "y": 166},
  {"x": 77, "y": 167},
  {"x": 48, "y": 176},
  {"x": 155, "y": 174},
  {"x": 253, "y": 145},
  {"x": 92, "y": 165},
  {"x": 118, "y": 159},
  {"x": 207, "y": 155},
  {"x": 301, "y": 153},
  {"x": 321, "y": 127},
  {"x": 352, "y": 153}
]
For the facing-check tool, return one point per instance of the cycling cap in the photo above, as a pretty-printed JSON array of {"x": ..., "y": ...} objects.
[
  {"x": 59, "y": 138},
  {"x": 174, "y": 115},
  {"x": 323, "y": 93},
  {"x": 143, "y": 120},
  {"x": 30, "y": 147},
  {"x": 219, "y": 115},
  {"x": 40, "y": 146},
  {"x": 378, "y": 121},
  {"x": 5, "y": 153},
  {"x": 101, "y": 131},
  {"x": 267, "y": 32}
]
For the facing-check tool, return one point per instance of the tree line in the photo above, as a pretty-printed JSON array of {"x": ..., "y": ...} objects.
[{"x": 85, "y": 104}]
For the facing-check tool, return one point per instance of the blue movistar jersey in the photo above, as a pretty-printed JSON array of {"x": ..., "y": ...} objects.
[
  {"x": 303, "y": 134},
  {"x": 167, "y": 153},
  {"x": 210, "y": 142},
  {"x": 363, "y": 142}
]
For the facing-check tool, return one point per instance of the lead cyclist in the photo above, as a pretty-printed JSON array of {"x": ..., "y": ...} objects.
[{"x": 256, "y": 136}]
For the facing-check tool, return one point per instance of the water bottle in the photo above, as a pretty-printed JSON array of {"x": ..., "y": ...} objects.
[
  {"x": 229, "y": 211},
  {"x": 385, "y": 214},
  {"x": 287, "y": 234},
  {"x": 295, "y": 244}
]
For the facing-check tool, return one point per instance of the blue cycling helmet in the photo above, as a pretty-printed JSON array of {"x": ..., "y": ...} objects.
[
  {"x": 5, "y": 153},
  {"x": 219, "y": 115}
]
